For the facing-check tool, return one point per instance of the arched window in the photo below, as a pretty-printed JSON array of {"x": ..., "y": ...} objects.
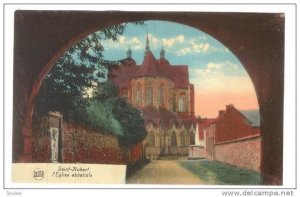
[
  {"x": 150, "y": 95},
  {"x": 161, "y": 95},
  {"x": 182, "y": 138},
  {"x": 139, "y": 94},
  {"x": 180, "y": 104},
  {"x": 162, "y": 140},
  {"x": 151, "y": 139},
  {"x": 192, "y": 138},
  {"x": 173, "y": 139}
]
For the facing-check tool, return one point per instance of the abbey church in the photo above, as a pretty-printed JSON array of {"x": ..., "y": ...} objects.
[{"x": 164, "y": 95}]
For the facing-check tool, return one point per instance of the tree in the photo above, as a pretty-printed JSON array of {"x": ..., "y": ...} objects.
[
  {"x": 112, "y": 114},
  {"x": 81, "y": 68},
  {"x": 131, "y": 122}
]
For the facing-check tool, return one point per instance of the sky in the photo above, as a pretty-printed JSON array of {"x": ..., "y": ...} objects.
[{"x": 218, "y": 76}]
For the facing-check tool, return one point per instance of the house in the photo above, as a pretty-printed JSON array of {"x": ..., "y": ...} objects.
[{"x": 234, "y": 138}]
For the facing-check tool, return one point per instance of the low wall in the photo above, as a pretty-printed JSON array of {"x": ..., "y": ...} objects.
[
  {"x": 85, "y": 145},
  {"x": 152, "y": 152},
  {"x": 243, "y": 153},
  {"x": 197, "y": 152},
  {"x": 81, "y": 145}
]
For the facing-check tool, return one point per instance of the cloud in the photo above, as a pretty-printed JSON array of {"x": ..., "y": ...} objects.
[
  {"x": 178, "y": 44},
  {"x": 214, "y": 88},
  {"x": 121, "y": 39},
  {"x": 154, "y": 41},
  {"x": 194, "y": 48},
  {"x": 221, "y": 76},
  {"x": 184, "y": 51},
  {"x": 212, "y": 65},
  {"x": 219, "y": 69},
  {"x": 169, "y": 42}
]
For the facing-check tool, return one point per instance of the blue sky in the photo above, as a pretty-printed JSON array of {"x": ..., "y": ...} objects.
[{"x": 213, "y": 69}]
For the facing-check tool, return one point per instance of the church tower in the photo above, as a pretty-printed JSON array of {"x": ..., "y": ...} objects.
[
  {"x": 129, "y": 52},
  {"x": 162, "y": 53},
  {"x": 147, "y": 47}
]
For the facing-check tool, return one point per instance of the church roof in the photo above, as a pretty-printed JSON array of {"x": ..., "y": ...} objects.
[
  {"x": 151, "y": 67},
  {"x": 122, "y": 75},
  {"x": 179, "y": 75}
]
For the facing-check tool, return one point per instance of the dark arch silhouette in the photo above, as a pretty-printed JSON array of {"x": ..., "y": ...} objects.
[{"x": 256, "y": 39}]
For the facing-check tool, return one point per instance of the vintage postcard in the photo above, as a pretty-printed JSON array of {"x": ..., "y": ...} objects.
[{"x": 148, "y": 98}]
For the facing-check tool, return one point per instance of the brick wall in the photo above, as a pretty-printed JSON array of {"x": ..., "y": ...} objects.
[
  {"x": 81, "y": 145},
  {"x": 244, "y": 153}
]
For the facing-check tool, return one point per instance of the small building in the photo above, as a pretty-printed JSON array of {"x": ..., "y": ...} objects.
[
  {"x": 234, "y": 138},
  {"x": 201, "y": 124}
]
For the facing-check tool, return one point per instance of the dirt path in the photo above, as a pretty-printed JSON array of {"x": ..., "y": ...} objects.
[{"x": 164, "y": 172}]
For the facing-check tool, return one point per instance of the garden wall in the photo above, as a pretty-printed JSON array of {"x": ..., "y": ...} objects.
[
  {"x": 81, "y": 144},
  {"x": 243, "y": 153}
]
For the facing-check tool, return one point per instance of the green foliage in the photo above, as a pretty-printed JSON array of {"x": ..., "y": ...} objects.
[
  {"x": 214, "y": 172},
  {"x": 112, "y": 114},
  {"x": 132, "y": 123},
  {"x": 82, "y": 67},
  {"x": 105, "y": 91}
]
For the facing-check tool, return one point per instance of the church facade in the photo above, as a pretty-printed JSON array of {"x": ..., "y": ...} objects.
[{"x": 165, "y": 97}]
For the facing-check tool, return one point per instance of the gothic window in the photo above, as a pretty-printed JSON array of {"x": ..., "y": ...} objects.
[
  {"x": 173, "y": 139},
  {"x": 180, "y": 104},
  {"x": 192, "y": 138},
  {"x": 182, "y": 138},
  {"x": 151, "y": 139},
  {"x": 150, "y": 95},
  {"x": 161, "y": 95},
  {"x": 162, "y": 140},
  {"x": 139, "y": 94}
]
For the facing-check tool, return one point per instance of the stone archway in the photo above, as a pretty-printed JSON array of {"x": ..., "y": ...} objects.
[{"x": 256, "y": 39}]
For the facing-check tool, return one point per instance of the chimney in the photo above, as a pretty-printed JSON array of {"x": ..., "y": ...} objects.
[
  {"x": 228, "y": 107},
  {"x": 221, "y": 112}
]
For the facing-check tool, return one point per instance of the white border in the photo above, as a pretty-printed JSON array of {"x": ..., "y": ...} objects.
[{"x": 289, "y": 98}]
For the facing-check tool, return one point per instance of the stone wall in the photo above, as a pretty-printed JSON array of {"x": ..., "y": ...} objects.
[
  {"x": 153, "y": 153},
  {"x": 243, "y": 153},
  {"x": 85, "y": 145},
  {"x": 81, "y": 144}
]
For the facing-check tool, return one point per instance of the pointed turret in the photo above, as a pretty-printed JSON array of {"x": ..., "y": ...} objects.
[
  {"x": 162, "y": 53},
  {"x": 147, "y": 48},
  {"x": 129, "y": 52}
]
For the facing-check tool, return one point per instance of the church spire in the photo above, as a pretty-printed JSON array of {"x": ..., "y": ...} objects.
[
  {"x": 147, "y": 48},
  {"x": 162, "y": 52},
  {"x": 129, "y": 52}
]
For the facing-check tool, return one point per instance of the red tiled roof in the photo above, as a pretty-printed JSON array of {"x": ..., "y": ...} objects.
[
  {"x": 203, "y": 124},
  {"x": 122, "y": 74},
  {"x": 149, "y": 67},
  {"x": 180, "y": 76}
]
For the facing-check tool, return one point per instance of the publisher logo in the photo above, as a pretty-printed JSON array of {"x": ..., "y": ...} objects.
[{"x": 38, "y": 174}]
